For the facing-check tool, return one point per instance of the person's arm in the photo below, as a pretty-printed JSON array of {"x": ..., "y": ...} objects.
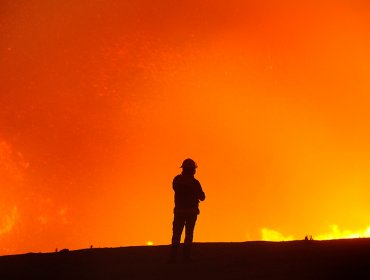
[
  {"x": 176, "y": 182},
  {"x": 201, "y": 194}
]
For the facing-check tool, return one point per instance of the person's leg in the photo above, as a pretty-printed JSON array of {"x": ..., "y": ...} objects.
[
  {"x": 189, "y": 231},
  {"x": 177, "y": 227}
]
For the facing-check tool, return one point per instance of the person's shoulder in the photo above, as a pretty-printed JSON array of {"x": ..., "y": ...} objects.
[
  {"x": 177, "y": 177},
  {"x": 197, "y": 181}
]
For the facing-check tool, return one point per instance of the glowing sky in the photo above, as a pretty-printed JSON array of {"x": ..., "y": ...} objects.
[{"x": 100, "y": 101}]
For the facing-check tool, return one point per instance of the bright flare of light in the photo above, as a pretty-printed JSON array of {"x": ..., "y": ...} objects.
[{"x": 150, "y": 243}]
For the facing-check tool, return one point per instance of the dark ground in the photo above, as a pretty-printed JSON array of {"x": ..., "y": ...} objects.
[{"x": 337, "y": 259}]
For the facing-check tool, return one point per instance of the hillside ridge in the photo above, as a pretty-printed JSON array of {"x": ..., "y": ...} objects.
[{"x": 334, "y": 259}]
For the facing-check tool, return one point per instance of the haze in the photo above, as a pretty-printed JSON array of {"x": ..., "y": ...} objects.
[{"x": 100, "y": 101}]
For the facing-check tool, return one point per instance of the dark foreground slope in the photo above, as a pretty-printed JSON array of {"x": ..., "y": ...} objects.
[{"x": 339, "y": 259}]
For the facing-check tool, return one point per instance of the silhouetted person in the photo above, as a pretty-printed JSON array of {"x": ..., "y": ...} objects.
[{"x": 188, "y": 193}]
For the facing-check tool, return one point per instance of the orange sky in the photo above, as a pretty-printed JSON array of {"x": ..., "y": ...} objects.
[{"x": 100, "y": 101}]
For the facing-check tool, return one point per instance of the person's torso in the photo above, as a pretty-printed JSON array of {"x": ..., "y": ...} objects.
[{"x": 187, "y": 190}]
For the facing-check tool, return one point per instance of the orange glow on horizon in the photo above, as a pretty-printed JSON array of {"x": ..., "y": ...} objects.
[{"x": 100, "y": 102}]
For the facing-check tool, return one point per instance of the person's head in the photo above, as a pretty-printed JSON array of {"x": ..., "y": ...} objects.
[{"x": 189, "y": 166}]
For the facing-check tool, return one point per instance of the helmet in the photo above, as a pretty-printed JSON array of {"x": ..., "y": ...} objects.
[{"x": 189, "y": 164}]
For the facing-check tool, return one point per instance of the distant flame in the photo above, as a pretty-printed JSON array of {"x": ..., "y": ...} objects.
[
  {"x": 9, "y": 221},
  {"x": 273, "y": 235},
  {"x": 335, "y": 233}
]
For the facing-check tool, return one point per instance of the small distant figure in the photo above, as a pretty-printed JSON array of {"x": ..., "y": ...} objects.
[
  {"x": 188, "y": 193},
  {"x": 308, "y": 238},
  {"x": 91, "y": 246}
]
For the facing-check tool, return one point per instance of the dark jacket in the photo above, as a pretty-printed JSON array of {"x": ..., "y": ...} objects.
[{"x": 188, "y": 193}]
